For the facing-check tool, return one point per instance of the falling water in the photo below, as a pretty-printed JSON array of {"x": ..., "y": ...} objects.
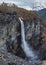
[{"x": 25, "y": 46}]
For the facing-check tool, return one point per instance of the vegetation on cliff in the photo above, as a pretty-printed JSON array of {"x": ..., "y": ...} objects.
[{"x": 19, "y": 11}]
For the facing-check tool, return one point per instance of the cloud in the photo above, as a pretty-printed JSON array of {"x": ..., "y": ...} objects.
[
  {"x": 28, "y": 4},
  {"x": 25, "y": 2}
]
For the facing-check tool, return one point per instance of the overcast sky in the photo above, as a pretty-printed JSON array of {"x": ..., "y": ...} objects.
[{"x": 26, "y": 3}]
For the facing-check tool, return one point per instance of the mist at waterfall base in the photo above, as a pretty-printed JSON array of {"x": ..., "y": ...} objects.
[{"x": 28, "y": 50}]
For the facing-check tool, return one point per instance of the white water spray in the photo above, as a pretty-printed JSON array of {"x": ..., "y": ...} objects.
[{"x": 25, "y": 46}]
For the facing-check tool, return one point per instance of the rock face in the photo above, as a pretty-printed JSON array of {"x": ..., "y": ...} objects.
[
  {"x": 36, "y": 36},
  {"x": 33, "y": 31},
  {"x": 42, "y": 48},
  {"x": 8, "y": 28},
  {"x": 10, "y": 38}
]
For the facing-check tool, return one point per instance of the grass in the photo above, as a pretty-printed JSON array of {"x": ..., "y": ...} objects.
[{"x": 20, "y": 12}]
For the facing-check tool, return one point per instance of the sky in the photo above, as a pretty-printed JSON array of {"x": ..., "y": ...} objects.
[{"x": 28, "y": 4}]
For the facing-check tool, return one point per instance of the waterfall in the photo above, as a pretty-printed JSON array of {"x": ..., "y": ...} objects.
[{"x": 25, "y": 46}]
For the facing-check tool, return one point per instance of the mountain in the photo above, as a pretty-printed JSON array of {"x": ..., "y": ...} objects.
[{"x": 42, "y": 13}]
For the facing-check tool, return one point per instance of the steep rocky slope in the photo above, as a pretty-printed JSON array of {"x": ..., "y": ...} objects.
[
  {"x": 42, "y": 13},
  {"x": 10, "y": 32}
]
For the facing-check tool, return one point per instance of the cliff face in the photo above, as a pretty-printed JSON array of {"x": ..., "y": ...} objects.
[{"x": 10, "y": 33}]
